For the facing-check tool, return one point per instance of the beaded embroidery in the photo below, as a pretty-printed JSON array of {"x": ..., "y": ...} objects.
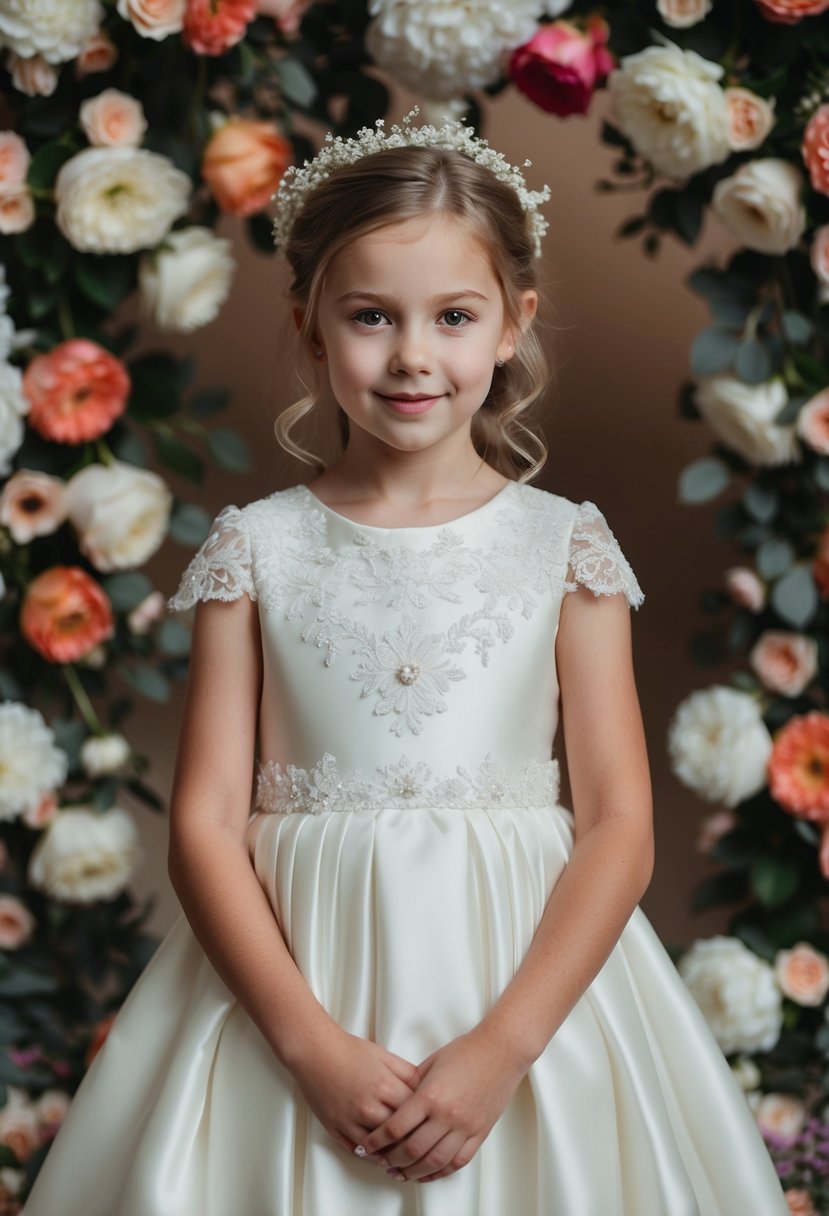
[{"x": 404, "y": 785}]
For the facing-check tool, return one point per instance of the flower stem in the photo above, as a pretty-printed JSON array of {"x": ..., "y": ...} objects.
[{"x": 83, "y": 702}]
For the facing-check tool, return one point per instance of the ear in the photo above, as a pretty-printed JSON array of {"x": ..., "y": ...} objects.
[
  {"x": 298, "y": 314},
  {"x": 528, "y": 306}
]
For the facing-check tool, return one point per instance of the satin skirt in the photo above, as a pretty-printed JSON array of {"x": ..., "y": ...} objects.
[{"x": 407, "y": 925}]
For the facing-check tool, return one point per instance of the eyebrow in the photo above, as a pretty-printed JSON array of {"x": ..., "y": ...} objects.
[{"x": 463, "y": 293}]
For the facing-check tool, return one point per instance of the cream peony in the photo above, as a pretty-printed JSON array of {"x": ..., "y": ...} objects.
[
  {"x": 154, "y": 19},
  {"x": 443, "y": 49},
  {"x": 736, "y": 991},
  {"x": 13, "y": 408},
  {"x": 761, "y": 204},
  {"x": 113, "y": 119},
  {"x": 84, "y": 856},
  {"x": 103, "y": 754},
  {"x": 31, "y": 763},
  {"x": 682, "y": 13},
  {"x": 121, "y": 513},
  {"x": 119, "y": 200},
  {"x": 55, "y": 29},
  {"x": 781, "y": 1114},
  {"x": 187, "y": 279},
  {"x": 719, "y": 745},
  {"x": 669, "y": 104},
  {"x": 743, "y": 416}
]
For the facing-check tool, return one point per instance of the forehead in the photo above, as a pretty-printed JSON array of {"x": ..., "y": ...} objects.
[{"x": 429, "y": 255}]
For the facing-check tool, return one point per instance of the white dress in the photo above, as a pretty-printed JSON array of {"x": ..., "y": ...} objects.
[{"x": 407, "y": 831}]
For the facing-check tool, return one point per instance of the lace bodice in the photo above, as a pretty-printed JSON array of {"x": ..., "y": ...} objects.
[{"x": 441, "y": 636}]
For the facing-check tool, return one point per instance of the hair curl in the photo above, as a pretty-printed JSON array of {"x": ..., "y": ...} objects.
[{"x": 394, "y": 185}]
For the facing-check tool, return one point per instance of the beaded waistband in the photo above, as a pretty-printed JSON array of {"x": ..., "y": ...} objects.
[{"x": 404, "y": 785}]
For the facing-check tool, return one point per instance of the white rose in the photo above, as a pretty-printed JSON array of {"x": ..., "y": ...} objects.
[
  {"x": 102, "y": 754},
  {"x": 31, "y": 763},
  {"x": 113, "y": 119},
  {"x": 760, "y": 204},
  {"x": 187, "y": 279},
  {"x": 119, "y": 200},
  {"x": 20, "y": 1129},
  {"x": 154, "y": 19},
  {"x": 719, "y": 744},
  {"x": 746, "y": 1073},
  {"x": 443, "y": 50},
  {"x": 682, "y": 13},
  {"x": 781, "y": 1114},
  {"x": 55, "y": 29},
  {"x": 667, "y": 101},
  {"x": 84, "y": 856},
  {"x": 121, "y": 513},
  {"x": 743, "y": 416},
  {"x": 736, "y": 991},
  {"x": 13, "y": 407},
  {"x": 51, "y": 1106},
  {"x": 33, "y": 76}
]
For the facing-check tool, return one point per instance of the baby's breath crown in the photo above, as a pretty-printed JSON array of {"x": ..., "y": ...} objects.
[{"x": 297, "y": 184}]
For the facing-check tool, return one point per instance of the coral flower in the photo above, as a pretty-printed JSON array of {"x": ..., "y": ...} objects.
[
  {"x": 76, "y": 391},
  {"x": 65, "y": 614},
  {"x": 212, "y": 27},
  {"x": 243, "y": 164},
  {"x": 815, "y": 149},
  {"x": 820, "y": 565},
  {"x": 799, "y": 773}
]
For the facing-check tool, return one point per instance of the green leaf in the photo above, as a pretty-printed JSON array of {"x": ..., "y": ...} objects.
[
  {"x": 154, "y": 394},
  {"x": 126, "y": 589},
  {"x": 713, "y": 350},
  {"x": 703, "y": 480},
  {"x": 797, "y": 327},
  {"x": 761, "y": 502},
  {"x": 689, "y": 213},
  {"x": 146, "y": 680},
  {"x": 173, "y": 638},
  {"x": 729, "y": 887},
  {"x": 44, "y": 165},
  {"x": 105, "y": 280},
  {"x": 189, "y": 523},
  {"x": 296, "y": 82},
  {"x": 25, "y": 981},
  {"x": 178, "y": 457},
  {"x": 229, "y": 449},
  {"x": 753, "y": 363},
  {"x": 794, "y": 596},
  {"x": 208, "y": 401},
  {"x": 773, "y": 880},
  {"x": 774, "y": 557}
]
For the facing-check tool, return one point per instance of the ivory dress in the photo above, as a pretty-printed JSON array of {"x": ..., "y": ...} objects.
[{"x": 407, "y": 831}]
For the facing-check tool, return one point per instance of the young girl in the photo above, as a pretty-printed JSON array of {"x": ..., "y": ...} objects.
[{"x": 411, "y": 982}]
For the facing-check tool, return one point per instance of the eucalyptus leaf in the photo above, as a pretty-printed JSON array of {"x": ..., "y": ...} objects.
[
  {"x": 773, "y": 880},
  {"x": 173, "y": 638},
  {"x": 44, "y": 165},
  {"x": 295, "y": 81},
  {"x": 753, "y": 363},
  {"x": 189, "y": 523},
  {"x": 703, "y": 480},
  {"x": 794, "y": 596},
  {"x": 797, "y": 327},
  {"x": 126, "y": 589},
  {"x": 229, "y": 449},
  {"x": 150, "y": 683},
  {"x": 713, "y": 350},
  {"x": 774, "y": 557},
  {"x": 178, "y": 457},
  {"x": 761, "y": 502},
  {"x": 208, "y": 401}
]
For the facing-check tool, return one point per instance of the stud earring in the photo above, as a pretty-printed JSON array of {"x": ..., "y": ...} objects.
[
  {"x": 499, "y": 362},
  {"x": 318, "y": 354}
]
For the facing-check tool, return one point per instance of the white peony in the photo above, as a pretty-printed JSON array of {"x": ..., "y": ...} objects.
[
  {"x": 31, "y": 763},
  {"x": 682, "y": 13},
  {"x": 84, "y": 856},
  {"x": 746, "y": 1073},
  {"x": 119, "y": 200},
  {"x": 187, "y": 279},
  {"x": 13, "y": 408},
  {"x": 121, "y": 513},
  {"x": 55, "y": 29},
  {"x": 444, "y": 49},
  {"x": 761, "y": 204},
  {"x": 736, "y": 991},
  {"x": 669, "y": 104},
  {"x": 719, "y": 744},
  {"x": 103, "y": 754},
  {"x": 743, "y": 416}
]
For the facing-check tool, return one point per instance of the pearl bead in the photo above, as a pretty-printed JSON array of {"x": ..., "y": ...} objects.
[{"x": 408, "y": 673}]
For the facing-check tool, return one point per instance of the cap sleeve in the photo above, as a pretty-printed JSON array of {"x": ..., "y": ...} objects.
[
  {"x": 596, "y": 560},
  {"x": 221, "y": 567}
]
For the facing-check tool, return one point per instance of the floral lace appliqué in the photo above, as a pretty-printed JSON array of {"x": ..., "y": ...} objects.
[
  {"x": 596, "y": 559},
  {"x": 221, "y": 568},
  {"x": 404, "y": 785}
]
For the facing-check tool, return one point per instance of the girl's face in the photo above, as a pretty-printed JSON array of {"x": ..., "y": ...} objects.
[{"x": 413, "y": 311}]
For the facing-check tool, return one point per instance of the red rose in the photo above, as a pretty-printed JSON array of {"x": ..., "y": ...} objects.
[{"x": 560, "y": 66}]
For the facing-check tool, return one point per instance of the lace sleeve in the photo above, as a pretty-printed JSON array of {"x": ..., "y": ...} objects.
[
  {"x": 596, "y": 560},
  {"x": 221, "y": 568}
]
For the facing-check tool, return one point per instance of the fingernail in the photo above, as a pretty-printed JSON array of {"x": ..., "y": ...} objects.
[
  {"x": 360, "y": 1151},
  {"x": 393, "y": 1173}
]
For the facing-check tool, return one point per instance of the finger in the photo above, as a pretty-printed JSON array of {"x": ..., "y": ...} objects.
[
  {"x": 409, "y": 1115},
  {"x": 436, "y": 1157},
  {"x": 465, "y": 1153},
  {"x": 405, "y": 1070}
]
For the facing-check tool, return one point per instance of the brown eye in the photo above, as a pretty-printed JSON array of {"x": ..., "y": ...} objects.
[
  {"x": 459, "y": 314},
  {"x": 368, "y": 312}
]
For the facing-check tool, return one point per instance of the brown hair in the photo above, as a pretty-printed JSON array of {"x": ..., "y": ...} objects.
[{"x": 397, "y": 184}]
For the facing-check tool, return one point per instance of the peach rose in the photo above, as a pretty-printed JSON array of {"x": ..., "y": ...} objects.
[
  {"x": 781, "y": 1114},
  {"x": 51, "y": 1108},
  {"x": 286, "y": 13},
  {"x": 17, "y": 209},
  {"x": 154, "y": 19},
  {"x": 20, "y": 1129},
  {"x": 33, "y": 75},
  {"x": 212, "y": 27},
  {"x": 14, "y": 159},
  {"x": 820, "y": 564},
  {"x": 813, "y": 422},
  {"x": 151, "y": 609},
  {"x": 682, "y": 13},
  {"x": 745, "y": 587},
  {"x": 819, "y": 258},
  {"x": 98, "y": 55},
  {"x": 800, "y": 1203},
  {"x": 784, "y": 661},
  {"x": 803, "y": 974},
  {"x": 42, "y": 813},
  {"x": 243, "y": 164},
  {"x": 32, "y": 504},
  {"x": 99, "y": 1037},
  {"x": 788, "y": 12},
  {"x": 713, "y": 827},
  {"x": 16, "y": 923},
  {"x": 749, "y": 118},
  {"x": 65, "y": 613},
  {"x": 76, "y": 391},
  {"x": 113, "y": 119},
  {"x": 815, "y": 147}
]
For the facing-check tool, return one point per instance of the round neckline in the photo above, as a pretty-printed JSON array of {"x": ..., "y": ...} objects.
[{"x": 449, "y": 523}]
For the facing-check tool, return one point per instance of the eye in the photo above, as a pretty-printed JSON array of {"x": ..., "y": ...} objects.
[
  {"x": 368, "y": 312},
  {"x": 458, "y": 313}
]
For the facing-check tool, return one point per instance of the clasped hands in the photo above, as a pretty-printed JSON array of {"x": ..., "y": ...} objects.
[{"x": 427, "y": 1121}]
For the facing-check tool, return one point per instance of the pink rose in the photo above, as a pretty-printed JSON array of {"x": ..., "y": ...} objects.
[
  {"x": 286, "y": 13},
  {"x": 813, "y": 422},
  {"x": 212, "y": 27},
  {"x": 800, "y": 1203},
  {"x": 749, "y": 118},
  {"x": 19, "y": 1129},
  {"x": 17, "y": 209},
  {"x": 803, "y": 974},
  {"x": 781, "y": 1114},
  {"x": 713, "y": 827},
  {"x": 243, "y": 164},
  {"x": 819, "y": 254},
  {"x": 560, "y": 66},
  {"x": 33, "y": 76},
  {"x": 113, "y": 119},
  {"x": 815, "y": 147},
  {"x": 16, "y": 923},
  {"x": 151, "y": 609},
  {"x": 98, "y": 55},
  {"x": 788, "y": 12},
  {"x": 745, "y": 588},
  {"x": 42, "y": 813},
  {"x": 154, "y": 19},
  {"x": 14, "y": 159},
  {"x": 785, "y": 662}
]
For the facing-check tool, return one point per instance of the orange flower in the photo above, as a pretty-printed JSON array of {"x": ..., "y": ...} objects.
[
  {"x": 799, "y": 773},
  {"x": 212, "y": 27},
  {"x": 65, "y": 614},
  {"x": 76, "y": 391},
  {"x": 99, "y": 1035},
  {"x": 243, "y": 164}
]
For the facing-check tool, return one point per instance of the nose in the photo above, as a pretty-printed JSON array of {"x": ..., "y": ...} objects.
[{"x": 410, "y": 351}]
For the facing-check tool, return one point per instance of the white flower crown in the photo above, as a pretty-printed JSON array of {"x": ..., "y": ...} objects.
[{"x": 291, "y": 194}]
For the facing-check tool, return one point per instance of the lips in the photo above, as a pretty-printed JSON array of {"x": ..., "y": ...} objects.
[{"x": 409, "y": 403}]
